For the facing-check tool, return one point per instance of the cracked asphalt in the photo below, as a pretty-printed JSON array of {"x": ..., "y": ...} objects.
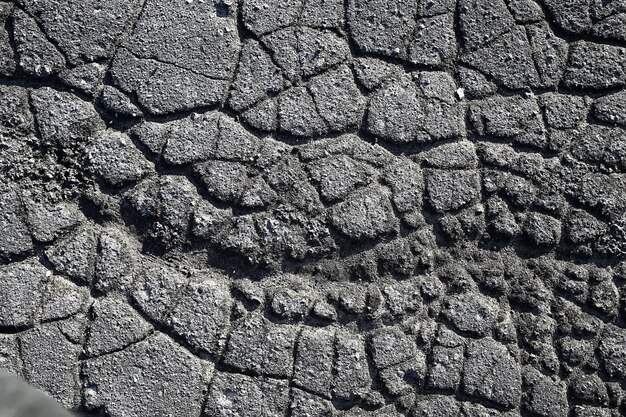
[{"x": 314, "y": 208}]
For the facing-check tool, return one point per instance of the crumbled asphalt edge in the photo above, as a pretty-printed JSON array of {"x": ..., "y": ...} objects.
[{"x": 315, "y": 208}]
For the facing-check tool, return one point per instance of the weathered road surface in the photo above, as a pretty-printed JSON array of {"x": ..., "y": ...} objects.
[{"x": 315, "y": 207}]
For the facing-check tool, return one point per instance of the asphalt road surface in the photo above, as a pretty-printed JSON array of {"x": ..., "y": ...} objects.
[{"x": 307, "y": 208}]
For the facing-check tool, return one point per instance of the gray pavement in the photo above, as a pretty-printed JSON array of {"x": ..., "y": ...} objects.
[{"x": 314, "y": 207}]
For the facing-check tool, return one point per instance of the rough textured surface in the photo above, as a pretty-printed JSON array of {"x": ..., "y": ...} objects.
[{"x": 315, "y": 207}]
